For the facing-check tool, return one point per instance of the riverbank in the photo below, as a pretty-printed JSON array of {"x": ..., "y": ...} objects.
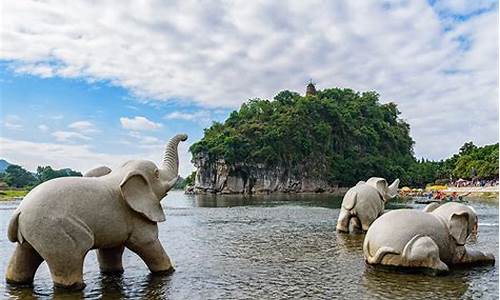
[
  {"x": 13, "y": 194},
  {"x": 486, "y": 193},
  {"x": 472, "y": 189}
]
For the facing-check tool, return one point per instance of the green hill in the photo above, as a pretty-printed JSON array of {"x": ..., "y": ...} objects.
[{"x": 342, "y": 135}]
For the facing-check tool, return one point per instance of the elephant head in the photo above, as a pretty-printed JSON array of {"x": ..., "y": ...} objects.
[
  {"x": 386, "y": 191},
  {"x": 144, "y": 185},
  {"x": 451, "y": 211}
]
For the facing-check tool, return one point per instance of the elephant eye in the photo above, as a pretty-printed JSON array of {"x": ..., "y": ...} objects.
[{"x": 157, "y": 173}]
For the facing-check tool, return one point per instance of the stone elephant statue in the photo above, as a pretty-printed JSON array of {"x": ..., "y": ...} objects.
[
  {"x": 365, "y": 202},
  {"x": 60, "y": 220},
  {"x": 429, "y": 240}
]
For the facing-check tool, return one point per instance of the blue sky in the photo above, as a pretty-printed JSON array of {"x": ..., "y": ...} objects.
[
  {"x": 90, "y": 84},
  {"x": 72, "y": 112}
]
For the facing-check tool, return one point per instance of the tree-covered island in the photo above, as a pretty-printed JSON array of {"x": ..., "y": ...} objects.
[{"x": 318, "y": 142}]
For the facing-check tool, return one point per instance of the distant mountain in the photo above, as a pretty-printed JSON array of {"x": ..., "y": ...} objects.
[{"x": 3, "y": 165}]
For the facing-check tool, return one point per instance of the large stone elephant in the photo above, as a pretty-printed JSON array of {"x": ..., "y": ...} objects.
[
  {"x": 60, "y": 220},
  {"x": 364, "y": 203},
  {"x": 429, "y": 240}
]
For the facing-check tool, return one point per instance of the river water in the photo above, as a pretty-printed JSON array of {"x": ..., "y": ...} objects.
[{"x": 266, "y": 247}]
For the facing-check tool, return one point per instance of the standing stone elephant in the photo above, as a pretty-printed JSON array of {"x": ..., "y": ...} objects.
[
  {"x": 431, "y": 239},
  {"x": 60, "y": 220},
  {"x": 364, "y": 203}
]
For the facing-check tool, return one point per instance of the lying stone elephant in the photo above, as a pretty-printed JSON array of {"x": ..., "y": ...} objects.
[
  {"x": 430, "y": 240},
  {"x": 364, "y": 203},
  {"x": 60, "y": 220}
]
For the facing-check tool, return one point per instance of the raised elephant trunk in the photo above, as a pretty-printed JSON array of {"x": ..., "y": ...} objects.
[
  {"x": 392, "y": 190},
  {"x": 171, "y": 158}
]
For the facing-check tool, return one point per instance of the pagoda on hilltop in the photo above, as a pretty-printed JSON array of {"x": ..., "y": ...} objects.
[{"x": 310, "y": 89}]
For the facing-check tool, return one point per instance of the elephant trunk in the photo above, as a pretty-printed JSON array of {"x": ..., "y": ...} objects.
[
  {"x": 171, "y": 158},
  {"x": 393, "y": 189}
]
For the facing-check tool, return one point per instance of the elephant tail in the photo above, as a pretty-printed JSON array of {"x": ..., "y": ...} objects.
[
  {"x": 379, "y": 254},
  {"x": 13, "y": 229},
  {"x": 350, "y": 199}
]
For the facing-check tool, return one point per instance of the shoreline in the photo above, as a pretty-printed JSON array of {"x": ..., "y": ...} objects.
[
  {"x": 473, "y": 189},
  {"x": 488, "y": 193}
]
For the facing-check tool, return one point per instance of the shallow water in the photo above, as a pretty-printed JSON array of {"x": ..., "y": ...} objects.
[{"x": 267, "y": 247}]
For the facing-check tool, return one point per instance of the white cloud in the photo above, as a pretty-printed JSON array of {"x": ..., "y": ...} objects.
[
  {"x": 12, "y": 126},
  {"x": 80, "y": 157},
  {"x": 12, "y": 122},
  {"x": 144, "y": 139},
  {"x": 202, "y": 117},
  {"x": 43, "y": 127},
  {"x": 64, "y": 136},
  {"x": 139, "y": 123},
  {"x": 84, "y": 126},
  {"x": 443, "y": 73}
]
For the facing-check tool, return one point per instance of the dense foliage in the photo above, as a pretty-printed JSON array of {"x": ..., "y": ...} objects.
[
  {"x": 351, "y": 133},
  {"x": 471, "y": 162},
  {"x": 16, "y": 176},
  {"x": 46, "y": 173}
]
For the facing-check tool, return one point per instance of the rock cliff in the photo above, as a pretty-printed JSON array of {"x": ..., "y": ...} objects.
[{"x": 218, "y": 177}]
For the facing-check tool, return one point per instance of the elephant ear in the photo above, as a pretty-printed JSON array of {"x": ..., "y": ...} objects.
[
  {"x": 459, "y": 227},
  {"x": 380, "y": 184},
  {"x": 138, "y": 194}
]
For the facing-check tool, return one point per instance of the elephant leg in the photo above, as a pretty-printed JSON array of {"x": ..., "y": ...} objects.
[
  {"x": 343, "y": 220},
  {"x": 422, "y": 251},
  {"x": 469, "y": 256},
  {"x": 355, "y": 225},
  {"x": 153, "y": 254},
  {"x": 23, "y": 265},
  {"x": 364, "y": 222},
  {"x": 110, "y": 259},
  {"x": 67, "y": 271}
]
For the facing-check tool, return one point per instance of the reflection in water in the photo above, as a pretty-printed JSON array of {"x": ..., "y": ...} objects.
[
  {"x": 350, "y": 242},
  {"x": 111, "y": 286},
  {"x": 269, "y": 247},
  {"x": 377, "y": 281}
]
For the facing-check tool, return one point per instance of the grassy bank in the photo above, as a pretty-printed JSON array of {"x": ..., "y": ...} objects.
[{"x": 6, "y": 195}]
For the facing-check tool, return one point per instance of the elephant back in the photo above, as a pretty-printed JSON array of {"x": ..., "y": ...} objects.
[{"x": 362, "y": 195}]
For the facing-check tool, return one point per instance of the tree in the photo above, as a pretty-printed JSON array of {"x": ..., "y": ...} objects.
[
  {"x": 183, "y": 182},
  {"x": 191, "y": 178},
  {"x": 482, "y": 159},
  {"x": 44, "y": 173},
  {"x": 17, "y": 176}
]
